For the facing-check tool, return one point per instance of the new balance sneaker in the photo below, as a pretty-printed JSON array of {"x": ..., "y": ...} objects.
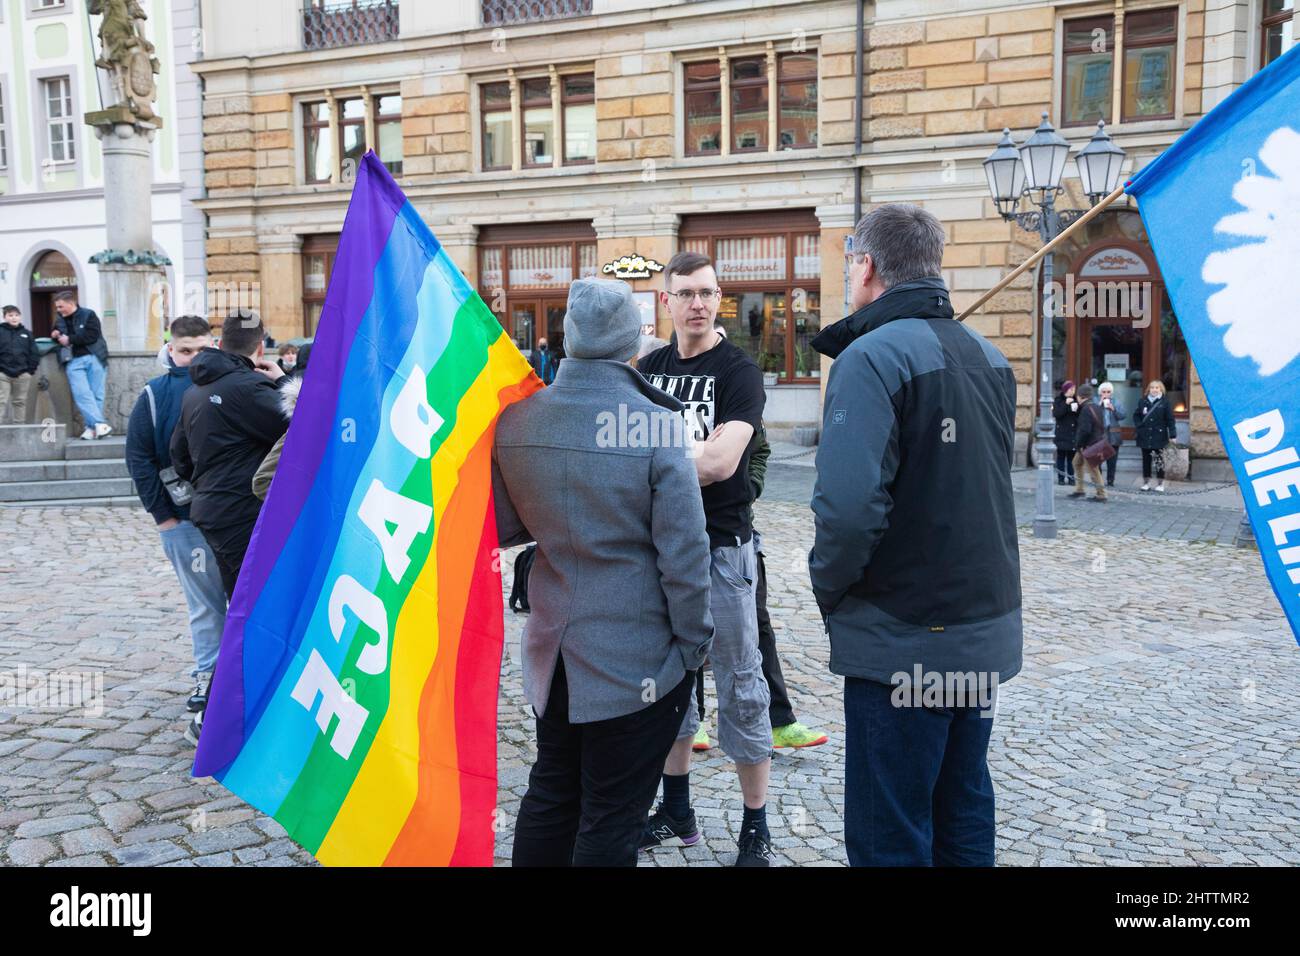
[
  {"x": 194, "y": 729},
  {"x": 755, "y": 848},
  {"x": 103, "y": 430},
  {"x": 796, "y": 735},
  {"x": 199, "y": 699},
  {"x": 1147, "y": 486},
  {"x": 88, "y": 435},
  {"x": 663, "y": 830},
  {"x": 701, "y": 741},
  {"x": 1160, "y": 487}
]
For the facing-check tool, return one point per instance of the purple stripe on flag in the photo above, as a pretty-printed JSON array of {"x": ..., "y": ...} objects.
[{"x": 376, "y": 200}]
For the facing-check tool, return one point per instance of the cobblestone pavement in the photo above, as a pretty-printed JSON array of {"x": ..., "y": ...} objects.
[
  {"x": 1164, "y": 732},
  {"x": 1185, "y": 513}
]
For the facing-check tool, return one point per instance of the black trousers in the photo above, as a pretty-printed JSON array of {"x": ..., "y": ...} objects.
[
  {"x": 1148, "y": 454},
  {"x": 779, "y": 711},
  {"x": 1111, "y": 463},
  {"x": 591, "y": 789},
  {"x": 229, "y": 544},
  {"x": 1065, "y": 465}
]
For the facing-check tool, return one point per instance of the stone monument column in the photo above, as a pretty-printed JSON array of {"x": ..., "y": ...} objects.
[{"x": 131, "y": 271}]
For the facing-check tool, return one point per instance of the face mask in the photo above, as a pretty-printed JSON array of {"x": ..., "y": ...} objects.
[{"x": 289, "y": 362}]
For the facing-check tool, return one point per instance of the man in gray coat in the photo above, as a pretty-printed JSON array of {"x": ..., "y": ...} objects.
[{"x": 595, "y": 469}]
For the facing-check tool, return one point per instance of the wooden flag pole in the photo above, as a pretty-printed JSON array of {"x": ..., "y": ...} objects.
[{"x": 1029, "y": 263}]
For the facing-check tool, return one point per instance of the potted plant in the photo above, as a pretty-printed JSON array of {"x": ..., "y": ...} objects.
[
  {"x": 770, "y": 363},
  {"x": 806, "y": 362}
]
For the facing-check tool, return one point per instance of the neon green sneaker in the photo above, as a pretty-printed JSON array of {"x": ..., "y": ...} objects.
[
  {"x": 796, "y": 735},
  {"x": 701, "y": 741}
]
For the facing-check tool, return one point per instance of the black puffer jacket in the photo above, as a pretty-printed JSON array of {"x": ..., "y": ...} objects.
[
  {"x": 1066, "y": 422},
  {"x": 229, "y": 420},
  {"x": 18, "y": 354},
  {"x": 1154, "y": 422}
]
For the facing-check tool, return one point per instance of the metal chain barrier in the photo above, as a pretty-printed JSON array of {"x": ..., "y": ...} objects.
[{"x": 802, "y": 454}]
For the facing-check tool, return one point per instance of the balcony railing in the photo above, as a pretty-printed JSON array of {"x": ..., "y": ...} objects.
[
  {"x": 348, "y": 23},
  {"x": 498, "y": 12}
]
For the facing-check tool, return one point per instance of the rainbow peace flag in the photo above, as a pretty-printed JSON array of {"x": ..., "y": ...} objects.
[{"x": 355, "y": 695}]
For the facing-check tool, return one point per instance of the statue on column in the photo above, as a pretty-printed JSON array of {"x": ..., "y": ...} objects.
[{"x": 127, "y": 56}]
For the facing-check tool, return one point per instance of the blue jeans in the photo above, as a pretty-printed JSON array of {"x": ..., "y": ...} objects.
[
  {"x": 86, "y": 376},
  {"x": 200, "y": 578},
  {"x": 917, "y": 790}
]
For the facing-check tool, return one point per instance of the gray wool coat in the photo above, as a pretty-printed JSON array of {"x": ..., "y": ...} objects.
[{"x": 620, "y": 583}]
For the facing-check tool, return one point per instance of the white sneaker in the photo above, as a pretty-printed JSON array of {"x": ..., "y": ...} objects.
[
  {"x": 1146, "y": 487},
  {"x": 88, "y": 435},
  {"x": 1160, "y": 487},
  {"x": 103, "y": 429}
]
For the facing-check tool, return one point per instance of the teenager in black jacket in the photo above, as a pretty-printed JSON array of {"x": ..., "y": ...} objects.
[
  {"x": 18, "y": 362},
  {"x": 1154, "y": 421},
  {"x": 1065, "y": 409},
  {"x": 229, "y": 420}
]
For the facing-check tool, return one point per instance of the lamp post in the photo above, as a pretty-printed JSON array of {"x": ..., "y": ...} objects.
[{"x": 1034, "y": 170}]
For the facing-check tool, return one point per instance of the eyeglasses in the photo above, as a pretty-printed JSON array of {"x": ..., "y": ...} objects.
[{"x": 687, "y": 296}]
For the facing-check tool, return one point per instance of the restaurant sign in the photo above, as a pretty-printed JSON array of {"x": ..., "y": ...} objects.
[{"x": 632, "y": 267}]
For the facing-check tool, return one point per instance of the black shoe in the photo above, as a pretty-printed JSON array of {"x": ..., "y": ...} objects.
[
  {"x": 1110, "y": 484},
  {"x": 755, "y": 848},
  {"x": 199, "y": 699},
  {"x": 194, "y": 729},
  {"x": 663, "y": 830},
  {"x": 1075, "y": 494},
  {"x": 1100, "y": 501}
]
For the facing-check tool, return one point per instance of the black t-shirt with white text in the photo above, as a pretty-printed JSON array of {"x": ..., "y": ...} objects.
[{"x": 720, "y": 385}]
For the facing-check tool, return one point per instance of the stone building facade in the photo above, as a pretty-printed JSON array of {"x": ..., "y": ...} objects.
[{"x": 543, "y": 149}]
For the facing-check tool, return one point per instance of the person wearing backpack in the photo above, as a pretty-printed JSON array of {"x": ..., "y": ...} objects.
[
  {"x": 1090, "y": 429},
  {"x": 166, "y": 498}
]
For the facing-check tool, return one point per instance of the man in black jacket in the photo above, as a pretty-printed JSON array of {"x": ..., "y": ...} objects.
[
  {"x": 18, "y": 362},
  {"x": 77, "y": 328},
  {"x": 915, "y": 565},
  {"x": 229, "y": 421}
]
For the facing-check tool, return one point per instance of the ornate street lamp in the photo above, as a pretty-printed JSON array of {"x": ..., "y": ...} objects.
[
  {"x": 1044, "y": 155},
  {"x": 1099, "y": 165},
  {"x": 1034, "y": 170},
  {"x": 1006, "y": 175}
]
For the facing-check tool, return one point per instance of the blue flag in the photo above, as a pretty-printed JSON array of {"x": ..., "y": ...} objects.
[{"x": 1222, "y": 208}]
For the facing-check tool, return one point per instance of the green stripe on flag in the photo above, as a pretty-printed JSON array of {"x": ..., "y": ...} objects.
[{"x": 314, "y": 800}]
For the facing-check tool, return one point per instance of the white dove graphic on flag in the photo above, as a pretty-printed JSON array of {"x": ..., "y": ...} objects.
[{"x": 1258, "y": 301}]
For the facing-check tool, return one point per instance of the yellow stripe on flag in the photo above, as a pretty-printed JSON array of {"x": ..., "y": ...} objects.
[{"x": 386, "y": 786}]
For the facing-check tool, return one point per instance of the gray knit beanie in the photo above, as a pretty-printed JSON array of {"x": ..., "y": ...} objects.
[{"x": 602, "y": 322}]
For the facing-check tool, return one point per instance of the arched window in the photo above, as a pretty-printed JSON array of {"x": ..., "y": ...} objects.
[{"x": 51, "y": 274}]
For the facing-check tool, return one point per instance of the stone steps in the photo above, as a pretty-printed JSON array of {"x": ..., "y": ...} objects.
[
  {"x": 66, "y": 490},
  {"x": 114, "y": 446},
  {"x": 27, "y": 471},
  {"x": 130, "y": 501},
  {"x": 40, "y": 467}
]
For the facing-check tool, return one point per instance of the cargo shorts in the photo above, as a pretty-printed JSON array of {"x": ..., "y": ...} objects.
[{"x": 744, "y": 726}]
